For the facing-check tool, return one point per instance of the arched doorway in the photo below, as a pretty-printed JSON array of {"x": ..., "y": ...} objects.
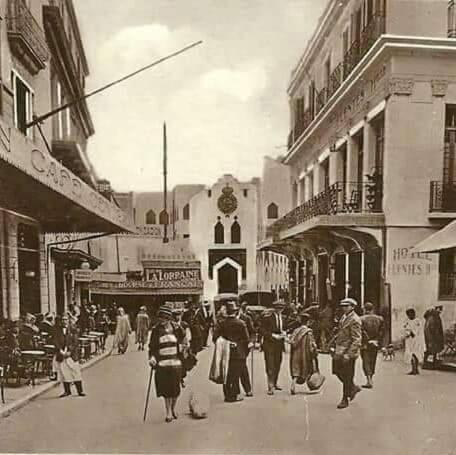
[{"x": 228, "y": 279}]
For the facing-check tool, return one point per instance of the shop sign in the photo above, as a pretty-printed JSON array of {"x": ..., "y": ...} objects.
[
  {"x": 83, "y": 276},
  {"x": 44, "y": 168},
  {"x": 152, "y": 231},
  {"x": 173, "y": 275},
  {"x": 187, "y": 283}
]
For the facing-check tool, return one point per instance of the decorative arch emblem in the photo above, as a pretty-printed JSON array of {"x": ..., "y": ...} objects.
[{"x": 227, "y": 202}]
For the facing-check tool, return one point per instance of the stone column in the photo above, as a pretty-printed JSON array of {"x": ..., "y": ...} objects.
[
  {"x": 317, "y": 177},
  {"x": 352, "y": 159},
  {"x": 335, "y": 167},
  {"x": 369, "y": 154},
  {"x": 44, "y": 277},
  {"x": 308, "y": 188},
  {"x": 12, "y": 268}
]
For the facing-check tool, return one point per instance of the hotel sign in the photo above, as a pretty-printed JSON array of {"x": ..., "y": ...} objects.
[{"x": 24, "y": 154}]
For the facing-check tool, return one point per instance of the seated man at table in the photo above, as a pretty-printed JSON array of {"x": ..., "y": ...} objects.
[
  {"x": 29, "y": 333},
  {"x": 66, "y": 359}
]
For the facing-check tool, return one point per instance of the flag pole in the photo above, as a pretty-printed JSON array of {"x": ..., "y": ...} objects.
[{"x": 165, "y": 186}]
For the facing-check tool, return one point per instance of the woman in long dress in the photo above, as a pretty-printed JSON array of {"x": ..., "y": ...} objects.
[
  {"x": 123, "y": 330},
  {"x": 414, "y": 341},
  {"x": 164, "y": 355},
  {"x": 303, "y": 353},
  {"x": 142, "y": 328}
]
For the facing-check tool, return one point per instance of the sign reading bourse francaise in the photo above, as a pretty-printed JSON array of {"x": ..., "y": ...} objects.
[{"x": 160, "y": 279}]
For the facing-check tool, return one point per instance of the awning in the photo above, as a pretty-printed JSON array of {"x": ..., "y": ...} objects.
[
  {"x": 35, "y": 184},
  {"x": 441, "y": 240},
  {"x": 72, "y": 259}
]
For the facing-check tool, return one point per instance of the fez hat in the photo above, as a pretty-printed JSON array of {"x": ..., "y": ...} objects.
[
  {"x": 165, "y": 311},
  {"x": 279, "y": 304},
  {"x": 231, "y": 307},
  {"x": 348, "y": 301}
]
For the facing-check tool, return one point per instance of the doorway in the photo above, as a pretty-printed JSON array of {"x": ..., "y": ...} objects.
[
  {"x": 228, "y": 279},
  {"x": 355, "y": 277},
  {"x": 59, "y": 288},
  {"x": 29, "y": 269}
]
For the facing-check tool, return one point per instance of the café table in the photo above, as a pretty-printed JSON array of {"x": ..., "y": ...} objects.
[
  {"x": 84, "y": 347},
  {"x": 31, "y": 359}
]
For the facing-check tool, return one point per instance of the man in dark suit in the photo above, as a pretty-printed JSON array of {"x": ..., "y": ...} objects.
[
  {"x": 245, "y": 377},
  {"x": 234, "y": 330},
  {"x": 67, "y": 357},
  {"x": 347, "y": 343},
  {"x": 273, "y": 331},
  {"x": 372, "y": 335}
]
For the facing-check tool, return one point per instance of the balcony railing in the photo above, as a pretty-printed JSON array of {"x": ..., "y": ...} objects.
[
  {"x": 341, "y": 197},
  {"x": 373, "y": 30},
  {"x": 443, "y": 197},
  {"x": 447, "y": 285},
  {"x": 336, "y": 79},
  {"x": 26, "y": 37}
]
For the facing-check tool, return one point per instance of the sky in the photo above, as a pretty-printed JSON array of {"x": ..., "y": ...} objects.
[{"x": 224, "y": 102}]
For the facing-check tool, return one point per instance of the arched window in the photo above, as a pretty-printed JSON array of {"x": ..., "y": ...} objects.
[
  {"x": 186, "y": 212},
  {"x": 235, "y": 232},
  {"x": 164, "y": 218},
  {"x": 219, "y": 233},
  {"x": 151, "y": 218},
  {"x": 273, "y": 211}
]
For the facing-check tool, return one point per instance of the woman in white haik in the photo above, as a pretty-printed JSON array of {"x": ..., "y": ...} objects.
[{"x": 414, "y": 341}]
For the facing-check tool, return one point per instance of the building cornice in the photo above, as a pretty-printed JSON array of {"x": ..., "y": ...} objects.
[
  {"x": 331, "y": 9},
  {"x": 384, "y": 45}
]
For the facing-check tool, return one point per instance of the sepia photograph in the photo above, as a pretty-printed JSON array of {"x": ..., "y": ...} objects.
[{"x": 228, "y": 227}]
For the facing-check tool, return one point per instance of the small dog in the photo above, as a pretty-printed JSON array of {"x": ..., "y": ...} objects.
[
  {"x": 198, "y": 405},
  {"x": 388, "y": 352}
]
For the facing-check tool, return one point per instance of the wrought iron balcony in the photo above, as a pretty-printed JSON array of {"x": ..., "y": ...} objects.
[
  {"x": 373, "y": 30},
  {"x": 447, "y": 285},
  {"x": 27, "y": 39},
  {"x": 443, "y": 197},
  {"x": 339, "y": 198},
  {"x": 336, "y": 79}
]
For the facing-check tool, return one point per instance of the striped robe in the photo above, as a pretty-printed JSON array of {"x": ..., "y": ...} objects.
[{"x": 164, "y": 345}]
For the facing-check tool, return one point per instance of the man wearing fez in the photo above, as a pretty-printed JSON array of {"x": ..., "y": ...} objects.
[
  {"x": 273, "y": 331},
  {"x": 234, "y": 330},
  {"x": 347, "y": 343}
]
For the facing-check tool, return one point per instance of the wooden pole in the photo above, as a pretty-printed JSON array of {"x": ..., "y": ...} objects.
[{"x": 165, "y": 185}]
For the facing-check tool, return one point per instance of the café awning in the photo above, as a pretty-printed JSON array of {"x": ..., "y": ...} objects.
[
  {"x": 73, "y": 258},
  {"x": 35, "y": 184},
  {"x": 441, "y": 240}
]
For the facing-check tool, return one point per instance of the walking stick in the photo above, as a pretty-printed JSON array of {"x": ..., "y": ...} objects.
[
  {"x": 148, "y": 394},
  {"x": 251, "y": 367}
]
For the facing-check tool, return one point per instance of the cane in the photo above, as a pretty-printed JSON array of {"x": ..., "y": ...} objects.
[
  {"x": 148, "y": 394},
  {"x": 251, "y": 367}
]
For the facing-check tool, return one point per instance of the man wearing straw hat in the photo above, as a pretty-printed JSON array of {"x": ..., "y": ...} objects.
[{"x": 347, "y": 343}]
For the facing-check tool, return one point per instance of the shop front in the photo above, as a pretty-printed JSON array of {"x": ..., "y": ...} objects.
[
  {"x": 174, "y": 282},
  {"x": 39, "y": 195}
]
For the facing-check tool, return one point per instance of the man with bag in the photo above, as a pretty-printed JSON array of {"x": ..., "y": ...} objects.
[
  {"x": 235, "y": 331},
  {"x": 347, "y": 343},
  {"x": 372, "y": 334}
]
